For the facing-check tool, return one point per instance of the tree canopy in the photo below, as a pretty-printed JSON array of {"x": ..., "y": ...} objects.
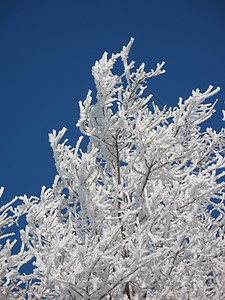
[{"x": 132, "y": 217}]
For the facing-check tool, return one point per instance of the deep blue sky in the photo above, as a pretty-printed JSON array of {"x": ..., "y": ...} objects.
[{"x": 47, "y": 49}]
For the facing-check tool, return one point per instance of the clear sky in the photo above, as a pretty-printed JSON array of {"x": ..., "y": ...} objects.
[{"x": 47, "y": 49}]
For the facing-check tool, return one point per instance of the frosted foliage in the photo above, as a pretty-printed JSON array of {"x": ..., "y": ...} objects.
[{"x": 140, "y": 215}]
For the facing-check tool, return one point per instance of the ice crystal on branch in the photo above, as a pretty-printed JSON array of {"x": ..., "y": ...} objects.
[{"x": 129, "y": 219}]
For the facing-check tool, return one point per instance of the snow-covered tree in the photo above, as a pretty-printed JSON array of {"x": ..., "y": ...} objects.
[{"x": 132, "y": 217}]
